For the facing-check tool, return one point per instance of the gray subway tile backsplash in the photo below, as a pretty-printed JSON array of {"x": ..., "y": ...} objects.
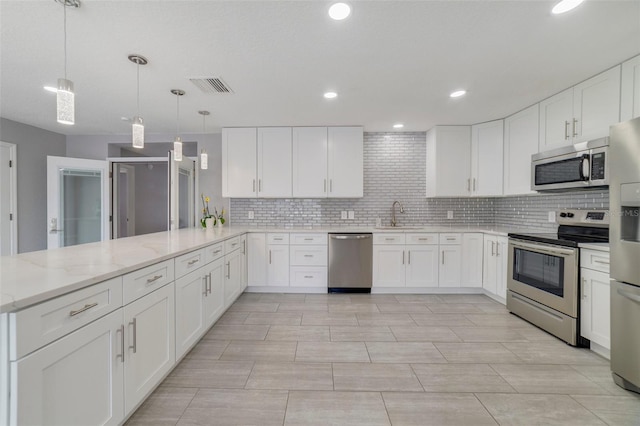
[{"x": 394, "y": 169}]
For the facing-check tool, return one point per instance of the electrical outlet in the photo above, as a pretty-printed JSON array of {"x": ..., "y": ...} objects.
[
  {"x": 352, "y": 214},
  {"x": 552, "y": 216},
  {"x": 343, "y": 214},
  {"x": 251, "y": 215},
  {"x": 449, "y": 214}
]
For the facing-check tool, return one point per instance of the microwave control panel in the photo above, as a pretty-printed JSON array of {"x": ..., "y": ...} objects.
[{"x": 598, "y": 166}]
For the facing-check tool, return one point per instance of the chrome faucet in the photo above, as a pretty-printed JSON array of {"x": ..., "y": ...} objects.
[{"x": 393, "y": 212}]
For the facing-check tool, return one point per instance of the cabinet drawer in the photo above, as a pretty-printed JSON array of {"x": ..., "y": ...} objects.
[
  {"x": 308, "y": 256},
  {"x": 213, "y": 252},
  {"x": 388, "y": 238},
  {"x": 143, "y": 281},
  {"x": 422, "y": 238},
  {"x": 308, "y": 239},
  {"x": 189, "y": 262},
  {"x": 232, "y": 244},
  {"x": 594, "y": 259},
  {"x": 451, "y": 238},
  {"x": 305, "y": 276},
  {"x": 277, "y": 238},
  {"x": 41, "y": 324}
]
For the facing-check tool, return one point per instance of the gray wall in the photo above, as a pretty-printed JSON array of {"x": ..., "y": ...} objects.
[
  {"x": 151, "y": 198},
  {"x": 33, "y": 146}
]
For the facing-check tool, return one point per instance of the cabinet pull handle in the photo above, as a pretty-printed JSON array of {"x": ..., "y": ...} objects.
[
  {"x": 602, "y": 262},
  {"x": 423, "y": 239},
  {"x": 443, "y": 258},
  {"x": 234, "y": 244},
  {"x": 308, "y": 276},
  {"x": 121, "y": 331},
  {"x": 254, "y": 185},
  {"x": 217, "y": 251},
  {"x": 492, "y": 248},
  {"x": 409, "y": 262},
  {"x": 330, "y": 185},
  {"x": 229, "y": 270},
  {"x": 584, "y": 288},
  {"x": 403, "y": 257},
  {"x": 566, "y": 130},
  {"x": 308, "y": 239},
  {"x": 389, "y": 239},
  {"x": 85, "y": 308},
  {"x": 474, "y": 184},
  {"x": 325, "y": 185},
  {"x": 575, "y": 133},
  {"x": 205, "y": 292},
  {"x": 135, "y": 335},
  {"x": 497, "y": 249},
  {"x": 451, "y": 239},
  {"x": 277, "y": 239},
  {"x": 192, "y": 262},
  {"x": 154, "y": 279},
  {"x": 209, "y": 282},
  {"x": 308, "y": 255},
  {"x": 259, "y": 185},
  {"x": 469, "y": 185},
  {"x": 269, "y": 257}
]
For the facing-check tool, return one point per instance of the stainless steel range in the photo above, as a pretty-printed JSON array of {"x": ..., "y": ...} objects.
[{"x": 543, "y": 273}]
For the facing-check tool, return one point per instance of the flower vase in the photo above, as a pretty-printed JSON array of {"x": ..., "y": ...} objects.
[
  {"x": 208, "y": 223},
  {"x": 220, "y": 224}
]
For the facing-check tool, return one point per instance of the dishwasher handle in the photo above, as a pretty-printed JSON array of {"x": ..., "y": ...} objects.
[{"x": 350, "y": 237}]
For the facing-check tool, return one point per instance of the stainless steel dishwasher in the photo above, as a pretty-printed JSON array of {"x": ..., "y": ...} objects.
[{"x": 350, "y": 262}]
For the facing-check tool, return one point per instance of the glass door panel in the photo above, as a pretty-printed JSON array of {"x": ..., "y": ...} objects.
[{"x": 540, "y": 270}]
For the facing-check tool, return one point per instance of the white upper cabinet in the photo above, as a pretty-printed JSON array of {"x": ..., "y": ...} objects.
[
  {"x": 274, "y": 162},
  {"x": 239, "y": 162},
  {"x": 448, "y": 153},
  {"x": 487, "y": 141},
  {"x": 520, "y": 143},
  {"x": 310, "y": 162},
  {"x": 582, "y": 112},
  {"x": 345, "y": 149},
  {"x": 630, "y": 95}
]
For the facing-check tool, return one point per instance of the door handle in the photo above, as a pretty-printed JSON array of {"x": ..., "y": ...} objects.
[
  {"x": 566, "y": 130},
  {"x": 135, "y": 335}
]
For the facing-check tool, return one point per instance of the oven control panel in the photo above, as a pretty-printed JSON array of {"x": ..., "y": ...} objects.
[{"x": 583, "y": 217}]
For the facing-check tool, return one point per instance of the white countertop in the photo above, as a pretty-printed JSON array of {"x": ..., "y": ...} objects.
[{"x": 30, "y": 278}]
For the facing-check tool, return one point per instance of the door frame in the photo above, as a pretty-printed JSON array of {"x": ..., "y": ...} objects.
[
  {"x": 13, "y": 196},
  {"x": 115, "y": 199}
]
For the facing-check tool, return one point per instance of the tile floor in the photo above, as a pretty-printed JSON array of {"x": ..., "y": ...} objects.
[{"x": 295, "y": 359}]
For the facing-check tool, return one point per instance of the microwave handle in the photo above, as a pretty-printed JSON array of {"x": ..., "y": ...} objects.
[{"x": 584, "y": 173}]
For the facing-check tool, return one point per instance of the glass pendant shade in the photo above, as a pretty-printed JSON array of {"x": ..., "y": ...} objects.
[
  {"x": 66, "y": 102},
  {"x": 137, "y": 132},
  {"x": 177, "y": 149},
  {"x": 204, "y": 160}
]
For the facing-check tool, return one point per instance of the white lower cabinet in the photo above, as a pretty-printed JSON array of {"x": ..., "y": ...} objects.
[
  {"x": 278, "y": 265},
  {"x": 494, "y": 279},
  {"x": 77, "y": 380},
  {"x": 472, "y": 255},
  {"x": 388, "y": 266},
  {"x": 149, "y": 325},
  {"x": 595, "y": 310},
  {"x": 450, "y": 266},
  {"x": 232, "y": 276},
  {"x": 257, "y": 259},
  {"x": 412, "y": 265},
  {"x": 422, "y": 266}
]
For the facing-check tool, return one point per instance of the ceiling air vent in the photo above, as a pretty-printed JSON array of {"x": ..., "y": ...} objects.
[{"x": 211, "y": 85}]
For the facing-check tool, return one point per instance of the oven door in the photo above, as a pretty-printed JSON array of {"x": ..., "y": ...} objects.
[
  {"x": 545, "y": 273},
  {"x": 565, "y": 171}
]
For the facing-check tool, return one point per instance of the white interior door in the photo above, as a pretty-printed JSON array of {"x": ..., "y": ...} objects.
[
  {"x": 124, "y": 196},
  {"x": 77, "y": 201},
  {"x": 182, "y": 188},
  {"x": 8, "y": 200}
]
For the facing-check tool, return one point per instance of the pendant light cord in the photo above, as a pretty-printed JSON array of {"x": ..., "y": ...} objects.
[
  {"x": 64, "y": 6},
  {"x": 178, "y": 115},
  {"x": 138, "y": 81}
]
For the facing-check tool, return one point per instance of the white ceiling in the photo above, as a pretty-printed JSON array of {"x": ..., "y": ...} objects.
[{"x": 391, "y": 61}]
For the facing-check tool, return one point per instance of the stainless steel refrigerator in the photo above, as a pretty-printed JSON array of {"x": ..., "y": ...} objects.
[{"x": 624, "y": 239}]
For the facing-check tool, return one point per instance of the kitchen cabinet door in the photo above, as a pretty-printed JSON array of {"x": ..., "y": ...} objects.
[
  {"x": 257, "y": 259},
  {"x": 449, "y": 161},
  {"x": 190, "y": 291},
  {"x": 630, "y": 94},
  {"x": 150, "y": 343},
  {"x": 274, "y": 162},
  {"x": 76, "y": 380},
  {"x": 556, "y": 115},
  {"x": 345, "y": 149},
  {"x": 450, "y": 265},
  {"x": 520, "y": 143},
  {"x": 487, "y": 140},
  {"x": 595, "y": 312},
  {"x": 214, "y": 299},
  {"x": 233, "y": 277},
  {"x": 472, "y": 250},
  {"x": 388, "y": 266},
  {"x": 278, "y": 265},
  {"x": 422, "y": 266},
  {"x": 310, "y": 162},
  {"x": 239, "y": 162},
  {"x": 596, "y": 105},
  {"x": 502, "y": 265},
  {"x": 489, "y": 270}
]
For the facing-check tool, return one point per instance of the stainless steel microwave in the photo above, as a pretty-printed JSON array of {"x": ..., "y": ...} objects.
[{"x": 582, "y": 165}]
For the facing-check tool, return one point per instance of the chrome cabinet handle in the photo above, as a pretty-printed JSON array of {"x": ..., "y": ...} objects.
[
  {"x": 308, "y": 239},
  {"x": 229, "y": 270},
  {"x": 423, "y": 239},
  {"x": 308, "y": 276},
  {"x": 409, "y": 262},
  {"x": 269, "y": 257},
  {"x": 443, "y": 258},
  {"x": 192, "y": 262},
  {"x": 135, "y": 335},
  {"x": 85, "y": 308},
  {"x": 602, "y": 262},
  {"x": 584, "y": 288},
  {"x": 403, "y": 257},
  {"x": 325, "y": 185},
  {"x": 566, "y": 130},
  {"x": 209, "y": 282},
  {"x": 308, "y": 255},
  {"x": 474, "y": 184},
  {"x": 244, "y": 247},
  {"x": 277, "y": 239},
  {"x": 497, "y": 248},
  {"x": 469, "y": 184},
  {"x": 389, "y": 239},
  {"x": 492, "y": 248},
  {"x": 217, "y": 251},
  {"x": 155, "y": 278},
  {"x": 575, "y": 121},
  {"x": 254, "y": 185},
  {"x": 121, "y": 331},
  {"x": 259, "y": 185},
  {"x": 330, "y": 185},
  {"x": 450, "y": 239},
  {"x": 204, "y": 280}
]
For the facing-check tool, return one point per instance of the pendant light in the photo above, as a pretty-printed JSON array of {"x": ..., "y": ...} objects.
[
  {"x": 137, "y": 126},
  {"x": 65, "y": 98},
  {"x": 177, "y": 144},
  {"x": 204, "y": 158}
]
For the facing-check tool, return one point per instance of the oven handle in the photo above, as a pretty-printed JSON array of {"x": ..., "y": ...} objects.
[{"x": 537, "y": 248}]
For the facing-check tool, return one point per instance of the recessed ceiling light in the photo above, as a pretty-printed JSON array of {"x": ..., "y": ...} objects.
[
  {"x": 398, "y": 126},
  {"x": 339, "y": 11},
  {"x": 565, "y": 6},
  {"x": 330, "y": 95},
  {"x": 125, "y": 119},
  {"x": 458, "y": 93},
  {"x": 51, "y": 89}
]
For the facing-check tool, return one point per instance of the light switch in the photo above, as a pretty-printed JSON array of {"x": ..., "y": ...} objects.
[
  {"x": 352, "y": 214},
  {"x": 251, "y": 216},
  {"x": 449, "y": 214},
  {"x": 552, "y": 217},
  {"x": 343, "y": 214}
]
